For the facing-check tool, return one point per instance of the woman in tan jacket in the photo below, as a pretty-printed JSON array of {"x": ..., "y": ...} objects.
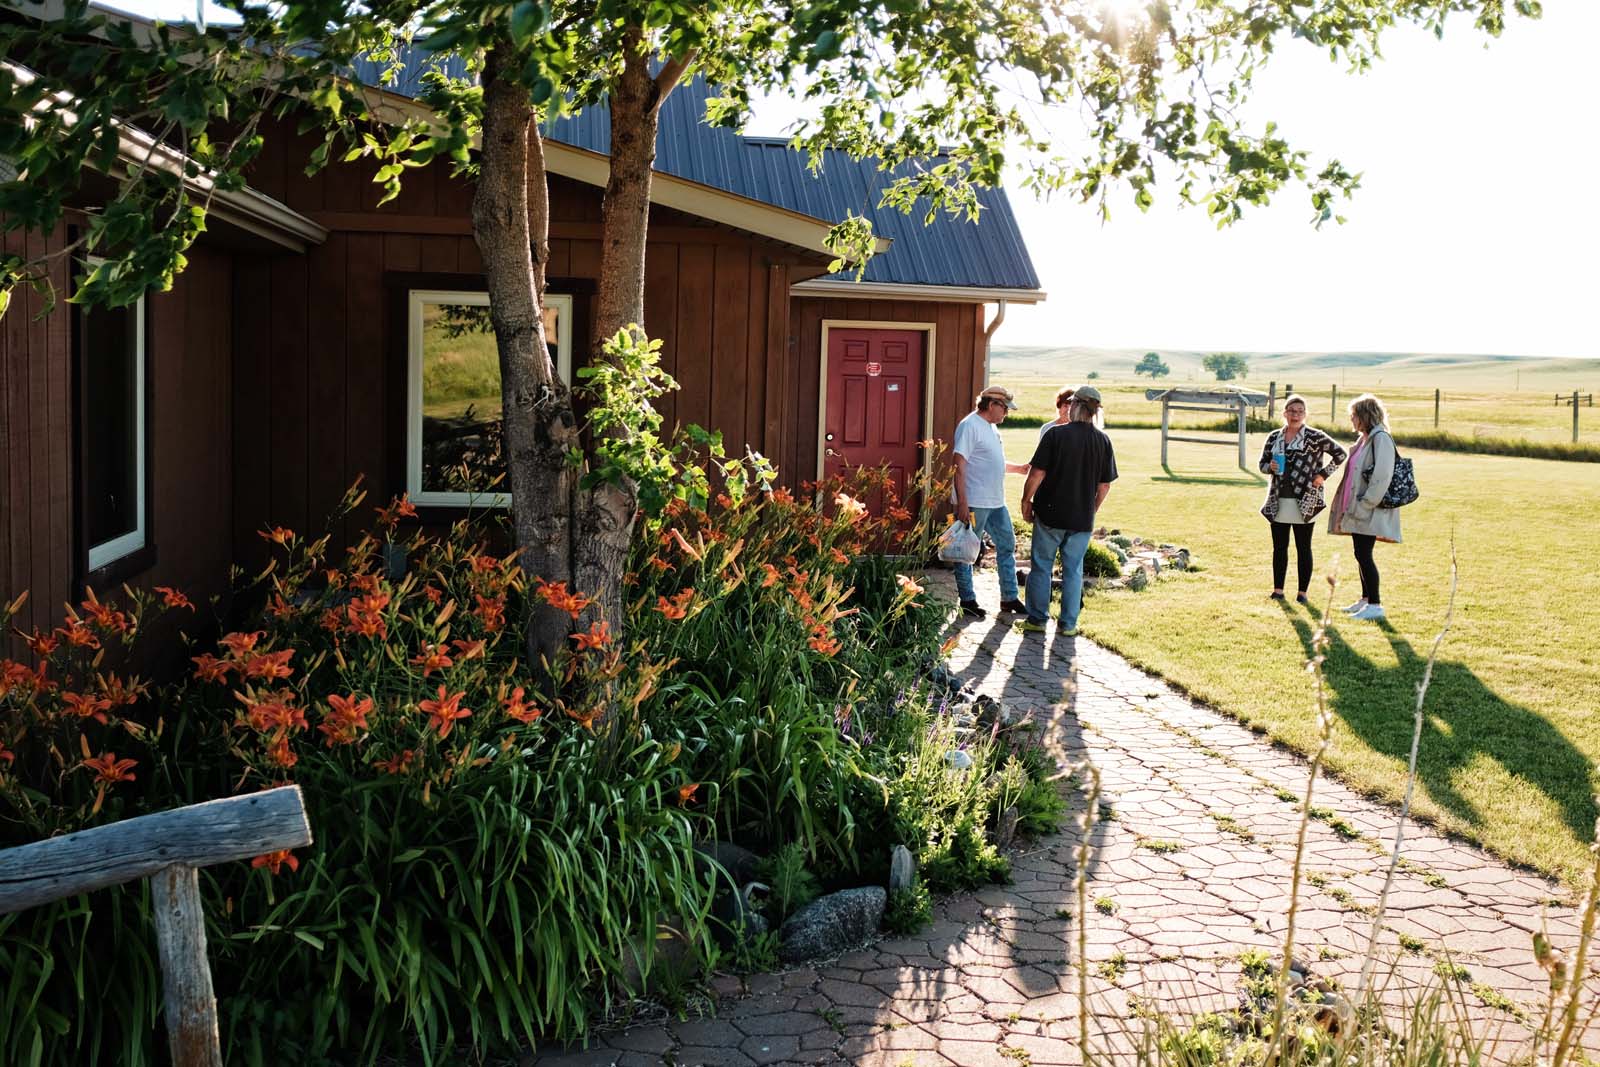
[{"x": 1355, "y": 508}]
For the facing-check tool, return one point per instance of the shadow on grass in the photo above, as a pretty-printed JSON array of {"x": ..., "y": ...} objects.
[
  {"x": 1463, "y": 720},
  {"x": 1241, "y": 478}
]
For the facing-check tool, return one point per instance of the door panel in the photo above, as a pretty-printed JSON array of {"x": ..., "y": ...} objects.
[{"x": 874, "y": 403}]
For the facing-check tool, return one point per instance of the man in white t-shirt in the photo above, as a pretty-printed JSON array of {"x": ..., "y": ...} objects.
[{"x": 981, "y": 470}]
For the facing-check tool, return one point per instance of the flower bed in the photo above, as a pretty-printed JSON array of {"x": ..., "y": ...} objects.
[{"x": 497, "y": 847}]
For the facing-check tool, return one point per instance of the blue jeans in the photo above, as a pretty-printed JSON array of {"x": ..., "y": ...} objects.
[
  {"x": 1047, "y": 543},
  {"x": 997, "y": 521}
]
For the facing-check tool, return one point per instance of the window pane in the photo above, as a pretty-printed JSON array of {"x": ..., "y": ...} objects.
[
  {"x": 110, "y": 461},
  {"x": 461, "y": 443}
]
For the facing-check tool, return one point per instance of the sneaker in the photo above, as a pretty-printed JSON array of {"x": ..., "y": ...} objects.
[
  {"x": 1013, "y": 607},
  {"x": 1067, "y": 631},
  {"x": 1274, "y": 596},
  {"x": 1371, "y": 611},
  {"x": 1030, "y": 626},
  {"x": 970, "y": 608},
  {"x": 1357, "y": 606},
  {"x": 1301, "y": 598}
]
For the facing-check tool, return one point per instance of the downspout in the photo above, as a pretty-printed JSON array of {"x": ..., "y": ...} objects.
[{"x": 994, "y": 324}]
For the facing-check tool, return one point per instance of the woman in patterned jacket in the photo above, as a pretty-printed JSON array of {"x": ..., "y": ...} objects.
[{"x": 1298, "y": 459}]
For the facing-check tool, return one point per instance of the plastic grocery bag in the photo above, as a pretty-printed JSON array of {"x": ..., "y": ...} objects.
[{"x": 959, "y": 544}]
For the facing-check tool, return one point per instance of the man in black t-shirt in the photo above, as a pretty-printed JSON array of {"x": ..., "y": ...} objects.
[{"x": 1073, "y": 469}]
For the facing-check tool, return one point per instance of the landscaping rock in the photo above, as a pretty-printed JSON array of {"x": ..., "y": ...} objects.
[
  {"x": 958, "y": 760},
  {"x": 1005, "y": 829},
  {"x": 902, "y": 868},
  {"x": 739, "y": 862},
  {"x": 831, "y": 924}
]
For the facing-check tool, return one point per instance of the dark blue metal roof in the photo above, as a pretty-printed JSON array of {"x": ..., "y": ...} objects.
[{"x": 949, "y": 251}]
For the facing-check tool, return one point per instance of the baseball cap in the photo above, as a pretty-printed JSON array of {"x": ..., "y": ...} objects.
[
  {"x": 995, "y": 392},
  {"x": 1087, "y": 392}
]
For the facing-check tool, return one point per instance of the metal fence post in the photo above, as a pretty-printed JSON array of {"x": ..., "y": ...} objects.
[
  {"x": 1333, "y": 408},
  {"x": 1436, "y": 409}
]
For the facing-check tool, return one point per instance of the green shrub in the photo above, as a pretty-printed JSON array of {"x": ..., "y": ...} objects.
[
  {"x": 793, "y": 886},
  {"x": 942, "y": 813},
  {"x": 909, "y": 909},
  {"x": 1100, "y": 562}
]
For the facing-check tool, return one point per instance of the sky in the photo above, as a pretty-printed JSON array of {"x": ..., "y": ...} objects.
[{"x": 1472, "y": 232}]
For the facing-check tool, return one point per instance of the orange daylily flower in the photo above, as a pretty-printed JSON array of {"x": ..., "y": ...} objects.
[
  {"x": 238, "y": 644},
  {"x": 270, "y": 665},
  {"x": 484, "y": 564},
  {"x": 399, "y": 764},
  {"x": 908, "y": 586},
  {"x": 119, "y": 692},
  {"x": 172, "y": 598},
  {"x": 467, "y": 649},
  {"x": 87, "y": 706},
  {"x": 822, "y": 642},
  {"x": 677, "y": 607},
  {"x": 268, "y": 715},
  {"x": 838, "y": 557},
  {"x": 280, "y": 754},
  {"x": 849, "y": 507},
  {"x": 899, "y": 514},
  {"x": 781, "y": 495},
  {"x": 519, "y": 711},
  {"x": 686, "y": 793},
  {"x": 41, "y": 643},
  {"x": 274, "y": 861},
  {"x": 7, "y": 756},
  {"x": 444, "y": 712},
  {"x": 345, "y": 716},
  {"x": 78, "y": 635},
  {"x": 209, "y": 668},
  {"x": 432, "y": 658},
  {"x": 278, "y": 535},
  {"x": 492, "y": 612},
  {"x": 557, "y": 596},
  {"x": 586, "y": 719},
  {"x": 434, "y": 594},
  {"x": 104, "y": 617},
  {"x": 109, "y": 770},
  {"x": 771, "y": 577},
  {"x": 596, "y": 636}
]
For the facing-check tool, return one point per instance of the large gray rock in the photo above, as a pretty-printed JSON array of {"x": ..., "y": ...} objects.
[
  {"x": 902, "y": 868},
  {"x": 739, "y": 862},
  {"x": 831, "y": 924}
]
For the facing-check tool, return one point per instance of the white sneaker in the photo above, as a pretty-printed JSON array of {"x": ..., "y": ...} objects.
[
  {"x": 1371, "y": 611},
  {"x": 1357, "y": 606}
]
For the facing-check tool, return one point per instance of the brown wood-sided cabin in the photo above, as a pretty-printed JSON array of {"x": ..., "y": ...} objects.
[{"x": 307, "y": 345}]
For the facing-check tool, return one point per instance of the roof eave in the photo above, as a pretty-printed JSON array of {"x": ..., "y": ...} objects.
[
  {"x": 246, "y": 208},
  {"x": 843, "y": 288}
]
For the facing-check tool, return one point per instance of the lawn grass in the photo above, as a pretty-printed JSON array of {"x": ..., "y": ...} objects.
[{"x": 1512, "y": 729}]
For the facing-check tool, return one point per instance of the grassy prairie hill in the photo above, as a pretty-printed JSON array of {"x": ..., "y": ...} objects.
[{"x": 1509, "y": 397}]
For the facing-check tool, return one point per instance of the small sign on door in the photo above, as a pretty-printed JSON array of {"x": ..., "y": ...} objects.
[{"x": 874, "y": 369}]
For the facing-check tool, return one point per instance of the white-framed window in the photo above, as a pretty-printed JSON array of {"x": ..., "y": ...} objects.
[
  {"x": 112, "y": 346},
  {"x": 453, "y": 403}
]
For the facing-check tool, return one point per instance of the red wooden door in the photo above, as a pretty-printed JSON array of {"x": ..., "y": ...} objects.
[{"x": 874, "y": 403}]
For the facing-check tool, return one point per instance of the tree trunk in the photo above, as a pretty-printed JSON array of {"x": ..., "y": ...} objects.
[
  {"x": 511, "y": 223},
  {"x": 606, "y": 514}
]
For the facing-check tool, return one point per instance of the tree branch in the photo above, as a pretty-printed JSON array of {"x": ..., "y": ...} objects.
[{"x": 671, "y": 73}]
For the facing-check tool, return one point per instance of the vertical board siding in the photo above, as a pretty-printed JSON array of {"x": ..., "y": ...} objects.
[
  {"x": 661, "y": 317},
  {"x": 730, "y": 308},
  {"x": 286, "y": 431},
  {"x": 328, "y": 352},
  {"x": 697, "y": 267},
  {"x": 188, "y": 415},
  {"x": 365, "y": 401}
]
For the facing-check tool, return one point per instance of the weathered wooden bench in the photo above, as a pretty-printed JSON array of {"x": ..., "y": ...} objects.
[{"x": 169, "y": 848}]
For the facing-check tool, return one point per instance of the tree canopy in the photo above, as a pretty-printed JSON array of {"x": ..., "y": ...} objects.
[
  {"x": 1153, "y": 365},
  {"x": 1226, "y": 365},
  {"x": 954, "y": 89}
]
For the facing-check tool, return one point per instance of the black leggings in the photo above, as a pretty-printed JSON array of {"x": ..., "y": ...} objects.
[
  {"x": 1362, "y": 544},
  {"x": 1302, "y": 552}
]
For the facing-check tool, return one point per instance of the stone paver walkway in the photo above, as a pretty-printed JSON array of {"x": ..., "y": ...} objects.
[{"x": 1192, "y": 867}]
